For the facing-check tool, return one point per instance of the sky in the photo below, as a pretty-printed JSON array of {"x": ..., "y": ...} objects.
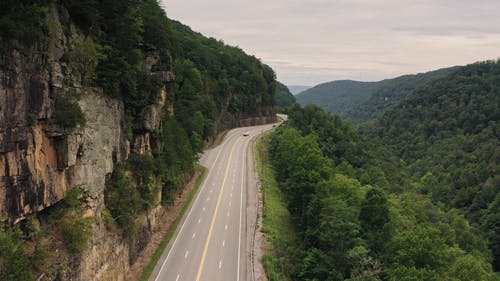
[{"x": 308, "y": 42}]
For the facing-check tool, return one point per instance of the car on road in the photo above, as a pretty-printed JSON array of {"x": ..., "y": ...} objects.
[{"x": 247, "y": 133}]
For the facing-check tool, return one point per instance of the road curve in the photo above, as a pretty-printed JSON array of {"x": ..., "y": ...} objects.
[{"x": 210, "y": 244}]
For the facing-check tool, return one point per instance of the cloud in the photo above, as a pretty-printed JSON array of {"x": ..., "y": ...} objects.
[{"x": 312, "y": 41}]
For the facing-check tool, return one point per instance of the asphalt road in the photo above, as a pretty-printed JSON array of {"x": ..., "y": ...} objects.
[{"x": 210, "y": 244}]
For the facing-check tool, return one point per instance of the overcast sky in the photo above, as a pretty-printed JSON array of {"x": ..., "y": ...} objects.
[{"x": 312, "y": 41}]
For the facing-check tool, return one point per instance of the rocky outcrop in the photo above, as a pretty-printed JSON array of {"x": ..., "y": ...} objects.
[
  {"x": 40, "y": 162},
  {"x": 229, "y": 121}
]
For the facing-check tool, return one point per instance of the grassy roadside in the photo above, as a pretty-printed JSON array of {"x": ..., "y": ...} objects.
[
  {"x": 146, "y": 273},
  {"x": 281, "y": 242}
]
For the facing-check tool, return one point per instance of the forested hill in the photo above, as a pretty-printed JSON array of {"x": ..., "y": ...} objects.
[
  {"x": 338, "y": 96},
  {"x": 390, "y": 94},
  {"x": 220, "y": 80},
  {"x": 358, "y": 102},
  {"x": 354, "y": 219},
  {"x": 448, "y": 133},
  {"x": 413, "y": 195},
  {"x": 283, "y": 97}
]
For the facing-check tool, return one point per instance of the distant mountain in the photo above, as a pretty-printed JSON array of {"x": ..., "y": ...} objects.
[
  {"x": 338, "y": 96},
  {"x": 390, "y": 93},
  {"x": 295, "y": 89},
  {"x": 283, "y": 97},
  {"x": 361, "y": 101}
]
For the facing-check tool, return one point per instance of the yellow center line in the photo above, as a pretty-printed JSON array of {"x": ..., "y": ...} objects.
[{"x": 202, "y": 262}]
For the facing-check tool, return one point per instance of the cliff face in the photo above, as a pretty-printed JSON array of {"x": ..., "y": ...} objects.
[{"x": 40, "y": 161}]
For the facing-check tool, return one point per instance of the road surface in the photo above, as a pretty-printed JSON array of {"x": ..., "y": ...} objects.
[{"x": 211, "y": 243}]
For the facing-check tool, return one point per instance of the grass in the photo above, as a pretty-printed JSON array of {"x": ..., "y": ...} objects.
[
  {"x": 277, "y": 225},
  {"x": 148, "y": 270}
]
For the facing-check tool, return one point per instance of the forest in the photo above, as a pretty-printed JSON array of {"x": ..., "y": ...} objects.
[
  {"x": 412, "y": 195},
  {"x": 283, "y": 97},
  {"x": 358, "y": 102}
]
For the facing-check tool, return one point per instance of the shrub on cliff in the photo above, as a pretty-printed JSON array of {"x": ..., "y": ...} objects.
[
  {"x": 123, "y": 201},
  {"x": 14, "y": 262},
  {"x": 73, "y": 227},
  {"x": 67, "y": 111},
  {"x": 76, "y": 233}
]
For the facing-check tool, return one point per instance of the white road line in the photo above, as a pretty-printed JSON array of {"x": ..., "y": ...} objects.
[
  {"x": 243, "y": 167},
  {"x": 189, "y": 214},
  {"x": 199, "y": 220},
  {"x": 178, "y": 276},
  {"x": 230, "y": 195},
  {"x": 225, "y": 227},
  {"x": 229, "y": 203},
  {"x": 223, "y": 243},
  {"x": 208, "y": 199},
  {"x": 194, "y": 235},
  {"x": 186, "y": 254},
  {"x": 220, "y": 264},
  {"x": 228, "y": 213},
  {"x": 203, "y": 209}
]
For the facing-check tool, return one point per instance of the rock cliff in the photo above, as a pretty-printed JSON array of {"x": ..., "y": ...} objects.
[{"x": 40, "y": 161}]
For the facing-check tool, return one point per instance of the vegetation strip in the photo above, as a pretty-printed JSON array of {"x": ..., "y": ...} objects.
[
  {"x": 146, "y": 273},
  {"x": 277, "y": 224}
]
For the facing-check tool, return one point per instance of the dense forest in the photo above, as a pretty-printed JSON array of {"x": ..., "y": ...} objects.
[
  {"x": 448, "y": 135},
  {"x": 359, "y": 102},
  {"x": 338, "y": 96},
  {"x": 390, "y": 94},
  {"x": 283, "y": 97},
  {"x": 410, "y": 196}
]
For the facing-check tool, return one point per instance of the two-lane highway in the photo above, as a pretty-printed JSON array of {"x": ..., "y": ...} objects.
[{"x": 210, "y": 244}]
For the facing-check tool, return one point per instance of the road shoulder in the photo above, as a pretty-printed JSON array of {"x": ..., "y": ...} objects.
[{"x": 255, "y": 269}]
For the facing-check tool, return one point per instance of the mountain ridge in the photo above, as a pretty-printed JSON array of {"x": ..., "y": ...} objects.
[{"x": 359, "y": 101}]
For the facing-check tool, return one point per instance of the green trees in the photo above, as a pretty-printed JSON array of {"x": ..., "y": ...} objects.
[
  {"x": 373, "y": 217},
  {"x": 223, "y": 75},
  {"x": 30, "y": 15},
  {"x": 355, "y": 231},
  {"x": 447, "y": 135},
  {"x": 67, "y": 111},
  {"x": 14, "y": 262},
  {"x": 283, "y": 97},
  {"x": 123, "y": 201},
  {"x": 84, "y": 59}
]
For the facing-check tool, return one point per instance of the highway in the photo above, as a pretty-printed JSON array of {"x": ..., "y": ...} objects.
[{"x": 211, "y": 242}]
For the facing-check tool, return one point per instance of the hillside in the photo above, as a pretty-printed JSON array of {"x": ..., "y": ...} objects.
[
  {"x": 390, "y": 94},
  {"x": 222, "y": 82},
  {"x": 338, "y": 96},
  {"x": 358, "y": 102},
  {"x": 413, "y": 195},
  {"x": 283, "y": 97},
  {"x": 104, "y": 108},
  {"x": 449, "y": 136}
]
